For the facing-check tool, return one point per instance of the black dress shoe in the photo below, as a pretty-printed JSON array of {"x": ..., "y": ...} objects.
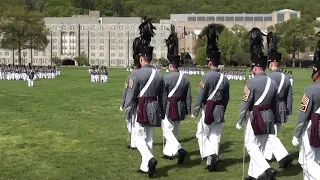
[
  {"x": 167, "y": 157},
  {"x": 214, "y": 161},
  {"x": 182, "y": 155},
  {"x": 129, "y": 147},
  {"x": 152, "y": 167},
  {"x": 142, "y": 172},
  {"x": 283, "y": 163},
  {"x": 270, "y": 174},
  {"x": 249, "y": 178}
]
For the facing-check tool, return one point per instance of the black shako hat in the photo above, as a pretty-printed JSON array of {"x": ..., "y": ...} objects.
[
  {"x": 274, "y": 55},
  {"x": 213, "y": 52},
  {"x": 256, "y": 45}
]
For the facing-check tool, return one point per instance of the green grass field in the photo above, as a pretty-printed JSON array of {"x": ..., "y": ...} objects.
[{"x": 70, "y": 128}]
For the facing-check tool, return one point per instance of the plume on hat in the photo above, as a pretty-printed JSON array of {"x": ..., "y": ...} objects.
[
  {"x": 146, "y": 31},
  {"x": 256, "y": 42},
  {"x": 172, "y": 43},
  {"x": 212, "y": 36},
  {"x": 136, "y": 47},
  {"x": 272, "y": 43},
  {"x": 316, "y": 56}
]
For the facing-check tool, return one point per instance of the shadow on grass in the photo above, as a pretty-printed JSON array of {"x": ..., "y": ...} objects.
[
  {"x": 190, "y": 163},
  {"x": 185, "y": 140}
]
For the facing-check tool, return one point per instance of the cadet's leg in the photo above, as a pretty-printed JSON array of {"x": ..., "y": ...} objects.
[
  {"x": 276, "y": 146},
  {"x": 202, "y": 134},
  {"x": 255, "y": 145},
  {"x": 133, "y": 133},
  {"x": 307, "y": 156},
  {"x": 142, "y": 146},
  {"x": 31, "y": 83},
  {"x": 172, "y": 145}
]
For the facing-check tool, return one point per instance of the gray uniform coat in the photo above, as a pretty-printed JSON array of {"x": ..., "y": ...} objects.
[
  {"x": 207, "y": 85},
  {"x": 252, "y": 92},
  {"x": 285, "y": 96},
  {"x": 183, "y": 91},
  {"x": 154, "y": 109}
]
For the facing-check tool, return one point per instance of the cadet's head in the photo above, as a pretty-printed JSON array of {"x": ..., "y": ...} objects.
[
  {"x": 213, "y": 59},
  {"x": 174, "y": 62},
  {"x": 274, "y": 65},
  {"x": 259, "y": 64},
  {"x": 145, "y": 55}
]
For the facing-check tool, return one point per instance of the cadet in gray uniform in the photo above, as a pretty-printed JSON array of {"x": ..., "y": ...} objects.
[
  {"x": 176, "y": 99},
  {"x": 308, "y": 125},
  {"x": 212, "y": 101},
  {"x": 146, "y": 87},
  {"x": 274, "y": 145},
  {"x": 130, "y": 115},
  {"x": 258, "y": 110}
]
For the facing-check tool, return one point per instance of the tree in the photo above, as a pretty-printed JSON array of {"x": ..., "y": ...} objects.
[
  {"x": 82, "y": 59},
  {"x": 56, "y": 61},
  {"x": 228, "y": 44},
  {"x": 23, "y": 30},
  {"x": 201, "y": 56},
  {"x": 294, "y": 36}
]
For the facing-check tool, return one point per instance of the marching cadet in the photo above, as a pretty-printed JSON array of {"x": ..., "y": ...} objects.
[
  {"x": 31, "y": 78},
  {"x": 176, "y": 99},
  {"x": 260, "y": 100},
  {"x": 146, "y": 86},
  {"x": 291, "y": 78},
  {"x": 212, "y": 101},
  {"x": 130, "y": 115},
  {"x": 284, "y": 107},
  {"x": 308, "y": 125}
]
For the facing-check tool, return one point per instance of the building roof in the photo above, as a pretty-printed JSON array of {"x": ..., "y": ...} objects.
[
  {"x": 92, "y": 20},
  {"x": 184, "y": 17}
]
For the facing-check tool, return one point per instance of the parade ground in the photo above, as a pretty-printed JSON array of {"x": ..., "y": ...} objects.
[{"x": 70, "y": 128}]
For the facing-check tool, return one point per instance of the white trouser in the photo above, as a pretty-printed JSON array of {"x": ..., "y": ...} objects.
[
  {"x": 96, "y": 78},
  {"x": 255, "y": 146},
  {"x": 131, "y": 129},
  {"x": 92, "y": 77},
  {"x": 30, "y": 82},
  {"x": 144, "y": 143},
  {"x": 275, "y": 146},
  {"x": 170, "y": 133},
  {"x": 208, "y": 138},
  {"x": 106, "y": 78},
  {"x": 308, "y": 157}
]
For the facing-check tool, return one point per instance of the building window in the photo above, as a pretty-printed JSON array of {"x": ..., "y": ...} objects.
[
  {"x": 133, "y": 34},
  {"x": 101, "y": 54},
  {"x": 93, "y": 34},
  {"x": 248, "y": 18},
  {"x": 113, "y": 27},
  {"x": 120, "y": 34},
  {"x": 267, "y": 18},
  {"x": 101, "y": 40},
  {"x": 113, "y": 47},
  {"x": 101, "y": 47},
  {"x": 162, "y": 48},
  {"x": 82, "y": 41},
  {"x": 93, "y": 27},
  {"x": 82, "y": 27},
  {"x": 238, "y": 19},
  {"x": 219, "y": 18},
  {"x": 120, "y": 47},
  {"x": 72, "y": 27},
  {"x": 163, "y": 55},
  {"x": 258, "y": 18},
  {"x": 201, "y": 18},
  {"x": 54, "y": 53},
  {"x": 93, "y": 54},
  {"x": 229, "y": 18},
  {"x": 120, "y": 54},
  {"x": 162, "y": 34},
  {"x": 133, "y": 28},
  {"x": 82, "y": 47},
  {"x": 211, "y": 19},
  {"x": 54, "y": 34},
  {"x": 93, "y": 47},
  {"x": 113, "y": 41},
  {"x": 6, "y": 53},
  {"x": 293, "y": 15},
  {"x": 113, "y": 54},
  {"x": 93, "y": 41},
  {"x": 153, "y": 41},
  {"x": 192, "y": 19},
  {"x": 54, "y": 47},
  {"x": 121, "y": 27},
  {"x": 113, "y": 34},
  {"x": 101, "y": 34},
  {"x": 55, "y": 27},
  {"x": 280, "y": 17},
  {"x": 36, "y": 53},
  {"x": 120, "y": 41},
  {"x": 64, "y": 27},
  {"x": 54, "y": 40},
  {"x": 44, "y": 54}
]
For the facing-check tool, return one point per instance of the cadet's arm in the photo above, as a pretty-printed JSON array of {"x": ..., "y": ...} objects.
[
  {"x": 226, "y": 94},
  {"x": 124, "y": 92},
  {"x": 304, "y": 114},
  {"x": 203, "y": 90},
  {"x": 290, "y": 99},
  {"x": 189, "y": 98},
  {"x": 246, "y": 102},
  {"x": 161, "y": 94},
  {"x": 132, "y": 92}
]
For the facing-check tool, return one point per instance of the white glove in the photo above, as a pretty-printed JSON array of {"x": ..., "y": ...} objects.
[
  {"x": 121, "y": 108},
  {"x": 295, "y": 141},
  {"x": 192, "y": 116},
  {"x": 238, "y": 126}
]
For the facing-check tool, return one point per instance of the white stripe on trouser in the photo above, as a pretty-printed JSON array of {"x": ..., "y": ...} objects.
[
  {"x": 144, "y": 143},
  {"x": 275, "y": 146},
  {"x": 255, "y": 146},
  {"x": 170, "y": 133},
  {"x": 131, "y": 125},
  {"x": 208, "y": 138},
  {"x": 309, "y": 157}
]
